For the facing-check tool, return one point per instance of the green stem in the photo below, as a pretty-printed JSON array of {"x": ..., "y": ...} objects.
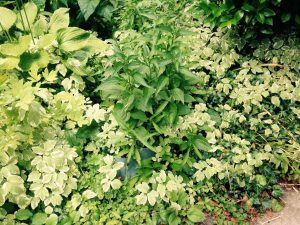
[
  {"x": 28, "y": 23},
  {"x": 19, "y": 9},
  {"x": 6, "y": 33}
]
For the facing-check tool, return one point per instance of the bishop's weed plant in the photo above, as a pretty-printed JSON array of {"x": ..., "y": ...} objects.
[{"x": 167, "y": 122}]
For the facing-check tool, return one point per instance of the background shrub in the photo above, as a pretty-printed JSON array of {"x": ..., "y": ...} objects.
[{"x": 267, "y": 16}]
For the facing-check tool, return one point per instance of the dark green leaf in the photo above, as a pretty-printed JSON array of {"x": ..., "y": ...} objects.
[
  {"x": 285, "y": 17},
  {"x": 268, "y": 12},
  {"x": 247, "y": 7},
  {"x": 88, "y": 7}
]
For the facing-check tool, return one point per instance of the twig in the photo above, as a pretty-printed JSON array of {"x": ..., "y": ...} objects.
[
  {"x": 282, "y": 200},
  {"x": 296, "y": 189},
  {"x": 268, "y": 221},
  {"x": 283, "y": 184}
]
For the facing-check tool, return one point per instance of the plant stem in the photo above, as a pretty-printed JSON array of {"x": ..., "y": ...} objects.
[
  {"x": 19, "y": 8},
  {"x": 6, "y": 32},
  {"x": 28, "y": 23}
]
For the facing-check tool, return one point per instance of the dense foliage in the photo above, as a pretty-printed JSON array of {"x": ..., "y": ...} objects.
[
  {"x": 167, "y": 122},
  {"x": 267, "y": 16}
]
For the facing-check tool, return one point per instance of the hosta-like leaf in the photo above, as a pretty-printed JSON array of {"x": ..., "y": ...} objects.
[
  {"x": 72, "y": 39},
  {"x": 26, "y": 16},
  {"x": 7, "y": 18},
  {"x": 60, "y": 19},
  {"x": 16, "y": 48}
]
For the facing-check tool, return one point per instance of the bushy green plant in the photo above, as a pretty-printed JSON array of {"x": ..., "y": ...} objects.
[{"x": 266, "y": 16}]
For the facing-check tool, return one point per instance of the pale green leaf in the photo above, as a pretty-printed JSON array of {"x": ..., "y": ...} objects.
[
  {"x": 60, "y": 19},
  {"x": 26, "y": 16},
  {"x": 52, "y": 219},
  {"x": 7, "y": 18}
]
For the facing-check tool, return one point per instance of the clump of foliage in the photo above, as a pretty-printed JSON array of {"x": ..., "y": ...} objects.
[
  {"x": 166, "y": 123},
  {"x": 99, "y": 16},
  {"x": 266, "y": 16}
]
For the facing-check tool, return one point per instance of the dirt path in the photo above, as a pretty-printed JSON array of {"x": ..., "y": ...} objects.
[{"x": 290, "y": 215}]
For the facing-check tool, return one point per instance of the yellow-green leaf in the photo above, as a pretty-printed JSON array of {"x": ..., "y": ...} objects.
[{"x": 7, "y": 18}]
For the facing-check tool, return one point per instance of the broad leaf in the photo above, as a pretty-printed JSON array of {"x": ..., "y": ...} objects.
[
  {"x": 23, "y": 214},
  {"x": 39, "y": 219},
  {"x": 195, "y": 214},
  {"x": 7, "y": 18},
  {"x": 201, "y": 143},
  {"x": 88, "y": 7},
  {"x": 60, "y": 19},
  {"x": 27, "y": 16},
  {"x": 72, "y": 39}
]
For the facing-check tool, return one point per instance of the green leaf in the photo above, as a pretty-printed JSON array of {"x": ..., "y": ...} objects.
[
  {"x": 261, "y": 180},
  {"x": 178, "y": 94},
  {"x": 40, "y": 4},
  {"x": 162, "y": 82},
  {"x": 247, "y": 7},
  {"x": 201, "y": 143},
  {"x": 285, "y": 17},
  {"x": 268, "y": 12},
  {"x": 160, "y": 108},
  {"x": 267, "y": 30},
  {"x": 142, "y": 135},
  {"x": 120, "y": 116},
  {"x": 238, "y": 15},
  {"x": 88, "y": 7},
  {"x": 72, "y": 39},
  {"x": 60, "y": 19},
  {"x": 23, "y": 214},
  {"x": 189, "y": 76},
  {"x": 173, "y": 219},
  {"x": 276, "y": 206},
  {"x": 16, "y": 48},
  {"x": 139, "y": 115},
  {"x": 195, "y": 214},
  {"x": 38, "y": 59},
  {"x": 140, "y": 80},
  {"x": 260, "y": 18},
  {"x": 172, "y": 113},
  {"x": 52, "y": 219},
  {"x": 27, "y": 15},
  {"x": 7, "y": 18},
  {"x": 39, "y": 219}
]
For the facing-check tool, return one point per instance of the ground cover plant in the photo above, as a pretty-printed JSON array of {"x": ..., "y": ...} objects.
[{"x": 170, "y": 121}]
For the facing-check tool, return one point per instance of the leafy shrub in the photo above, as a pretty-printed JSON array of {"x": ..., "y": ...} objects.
[{"x": 268, "y": 16}]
